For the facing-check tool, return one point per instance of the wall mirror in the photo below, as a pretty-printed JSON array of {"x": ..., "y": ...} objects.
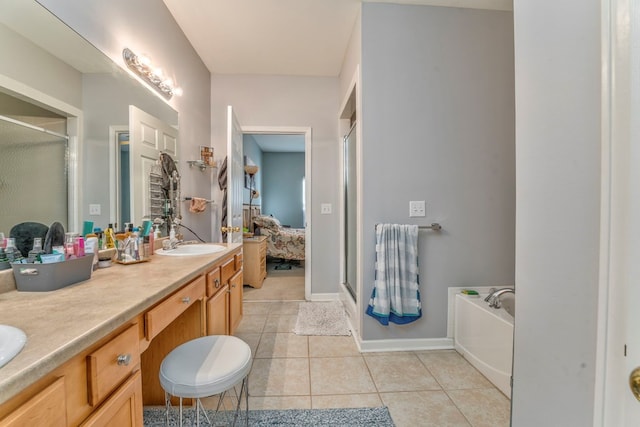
[{"x": 63, "y": 106}]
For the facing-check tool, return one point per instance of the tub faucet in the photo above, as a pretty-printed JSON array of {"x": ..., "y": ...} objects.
[{"x": 494, "y": 297}]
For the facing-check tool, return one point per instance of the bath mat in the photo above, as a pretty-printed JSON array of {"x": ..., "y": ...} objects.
[
  {"x": 379, "y": 417},
  {"x": 321, "y": 318}
]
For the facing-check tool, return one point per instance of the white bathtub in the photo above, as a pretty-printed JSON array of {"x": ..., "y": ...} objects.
[{"x": 484, "y": 336}]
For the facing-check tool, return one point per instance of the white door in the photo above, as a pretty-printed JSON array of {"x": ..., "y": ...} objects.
[
  {"x": 619, "y": 338},
  {"x": 235, "y": 178},
  {"x": 149, "y": 136}
]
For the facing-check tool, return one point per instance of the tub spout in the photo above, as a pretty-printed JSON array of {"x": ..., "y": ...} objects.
[{"x": 494, "y": 297}]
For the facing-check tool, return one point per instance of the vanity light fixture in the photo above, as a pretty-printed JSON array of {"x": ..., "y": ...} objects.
[{"x": 141, "y": 66}]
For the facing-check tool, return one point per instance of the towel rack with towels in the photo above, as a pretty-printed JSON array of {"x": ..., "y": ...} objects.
[{"x": 434, "y": 226}]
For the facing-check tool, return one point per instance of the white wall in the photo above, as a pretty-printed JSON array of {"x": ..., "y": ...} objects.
[
  {"x": 299, "y": 102},
  {"x": 558, "y": 198},
  {"x": 438, "y": 125}
]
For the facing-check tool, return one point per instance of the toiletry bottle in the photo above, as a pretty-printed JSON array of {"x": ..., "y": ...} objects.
[
  {"x": 69, "y": 245},
  {"x": 3, "y": 241},
  {"x": 109, "y": 237},
  {"x": 91, "y": 248},
  {"x": 34, "y": 253},
  {"x": 152, "y": 239},
  {"x": 11, "y": 251},
  {"x": 78, "y": 246}
]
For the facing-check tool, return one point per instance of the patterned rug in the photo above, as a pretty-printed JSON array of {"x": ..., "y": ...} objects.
[
  {"x": 379, "y": 417},
  {"x": 321, "y": 318}
]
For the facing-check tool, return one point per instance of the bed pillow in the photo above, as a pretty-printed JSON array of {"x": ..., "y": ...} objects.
[{"x": 268, "y": 222}]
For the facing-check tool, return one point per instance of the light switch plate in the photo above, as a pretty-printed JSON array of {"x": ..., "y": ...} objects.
[
  {"x": 417, "y": 208},
  {"x": 94, "y": 209},
  {"x": 325, "y": 208}
]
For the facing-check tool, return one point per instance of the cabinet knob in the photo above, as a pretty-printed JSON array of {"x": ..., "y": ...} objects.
[
  {"x": 217, "y": 282},
  {"x": 124, "y": 359},
  {"x": 186, "y": 300}
]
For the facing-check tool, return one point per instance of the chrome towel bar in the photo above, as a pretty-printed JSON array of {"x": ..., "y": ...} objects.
[{"x": 434, "y": 226}]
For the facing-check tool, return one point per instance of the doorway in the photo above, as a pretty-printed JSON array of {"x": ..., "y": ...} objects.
[{"x": 290, "y": 205}]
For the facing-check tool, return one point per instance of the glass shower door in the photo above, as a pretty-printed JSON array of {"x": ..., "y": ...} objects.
[{"x": 350, "y": 215}]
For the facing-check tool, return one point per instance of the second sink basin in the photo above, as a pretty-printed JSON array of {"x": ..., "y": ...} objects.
[
  {"x": 12, "y": 340},
  {"x": 192, "y": 250}
]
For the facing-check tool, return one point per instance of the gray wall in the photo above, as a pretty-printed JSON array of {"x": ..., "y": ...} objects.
[
  {"x": 147, "y": 26},
  {"x": 282, "y": 186},
  {"x": 438, "y": 125},
  {"x": 558, "y": 120},
  {"x": 300, "y": 102}
]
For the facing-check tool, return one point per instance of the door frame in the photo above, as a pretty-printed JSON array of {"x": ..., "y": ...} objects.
[
  {"x": 306, "y": 132},
  {"x": 618, "y": 248},
  {"x": 354, "y": 309}
]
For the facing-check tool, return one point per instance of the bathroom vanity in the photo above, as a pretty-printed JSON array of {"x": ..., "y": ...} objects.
[{"x": 94, "y": 348}]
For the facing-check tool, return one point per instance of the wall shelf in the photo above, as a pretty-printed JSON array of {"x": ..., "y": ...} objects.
[{"x": 200, "y": 164}]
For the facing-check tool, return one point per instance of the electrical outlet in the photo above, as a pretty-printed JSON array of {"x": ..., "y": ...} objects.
[
  {"x": 325, "y": 208},
  {"x": 417, "y": 208},
  {"x": 94, "y": 209}
]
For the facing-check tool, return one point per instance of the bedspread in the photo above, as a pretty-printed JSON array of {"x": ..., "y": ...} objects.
[{"x": 282, "y": 242}]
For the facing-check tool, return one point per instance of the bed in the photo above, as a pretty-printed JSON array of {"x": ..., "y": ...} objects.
[{"x": 282, "y": 242}]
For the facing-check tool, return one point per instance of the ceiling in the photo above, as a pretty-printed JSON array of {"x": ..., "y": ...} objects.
[
  {"x": 279, "y": 143},
  {"x": 281, "y": 37}
]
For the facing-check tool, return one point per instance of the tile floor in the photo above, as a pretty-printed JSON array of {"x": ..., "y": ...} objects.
[{"x": 420, "y": 388}]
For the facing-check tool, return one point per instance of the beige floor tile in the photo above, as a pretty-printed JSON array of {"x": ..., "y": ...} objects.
[
  {"x": 330, "y": 346},
  {"x": 279, "y": 377},
  {"x": 400, "y": 372},
  {"x": 452, "y": 371},
  {"x": 364, "y": 400},
  {"x": 483, "y": 407},
  {"x": 340, "y": 375},
  {"x": 423, "y": 408},
  {"x": 251, "y": 324},
  {"x": 255, "y": 307},
  {"x": 252, "y": 339},
  {"x": 277, "y": 288},
  {"x": 282, "y": 345},
  {"x": 280, "y": 322},
  {"x": 279, "y": 402},
  {"x": 285, "y": 307}
]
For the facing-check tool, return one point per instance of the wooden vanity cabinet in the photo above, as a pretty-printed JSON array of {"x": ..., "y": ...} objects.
[
  {"x": 224, "y": 293},
  {"x": 103, "y": 384},
  {"x": 255, "y": 254},
  {"x": 217, "y": 304}
]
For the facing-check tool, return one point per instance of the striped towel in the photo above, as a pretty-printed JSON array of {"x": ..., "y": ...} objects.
[{"x": 396, "y": 294}]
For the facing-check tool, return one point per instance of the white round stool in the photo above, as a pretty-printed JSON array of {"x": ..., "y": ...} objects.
[{"x": 204, "y": 367}]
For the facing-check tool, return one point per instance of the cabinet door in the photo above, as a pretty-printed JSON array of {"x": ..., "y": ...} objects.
[
  {"x": 235, "y": 301},
  {"x": 123, "y": 409},
  {"x": 218, "y": 313},
  {"x": 48, "y": 408}
]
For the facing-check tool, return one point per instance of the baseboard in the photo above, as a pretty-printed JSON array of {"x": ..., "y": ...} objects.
[
  {"x": 404, "y": 344},
  {"x": 325, "y": 297}
]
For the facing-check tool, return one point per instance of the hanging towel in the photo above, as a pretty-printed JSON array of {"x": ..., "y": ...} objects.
[
  {"x": 396, "y": 294},
  {"x": 197, "y": 205}
]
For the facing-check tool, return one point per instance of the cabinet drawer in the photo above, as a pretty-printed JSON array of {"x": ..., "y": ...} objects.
[
  {"x": 173, "y": 306},
  {"x": 213, "y": 282},
  {"x": 111, "y": 364},
  {"x": 47, "y": 408},
  {"x": 227, "y": 269},
  {"x": 239, "y": 261},
  {"x": 123, "y": 409}
]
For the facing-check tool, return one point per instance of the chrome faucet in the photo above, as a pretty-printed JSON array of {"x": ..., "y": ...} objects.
[{"x": 494, "y": 297}]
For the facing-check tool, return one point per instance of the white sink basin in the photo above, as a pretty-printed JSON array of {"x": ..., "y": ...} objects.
[
  {"x": 192, "y": 250},
  {"x": 12, "y": 340}
]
